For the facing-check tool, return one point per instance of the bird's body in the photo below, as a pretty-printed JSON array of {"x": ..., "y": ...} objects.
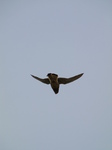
[
  {"x": 53, "y": 78},
  {"x": 54, "y": 81}
]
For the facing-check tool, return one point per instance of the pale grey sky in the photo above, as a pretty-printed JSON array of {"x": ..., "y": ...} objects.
[{"x": 65, "y": 37}]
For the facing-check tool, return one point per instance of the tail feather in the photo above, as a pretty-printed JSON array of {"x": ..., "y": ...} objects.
[{"x": 56, "y": 90}]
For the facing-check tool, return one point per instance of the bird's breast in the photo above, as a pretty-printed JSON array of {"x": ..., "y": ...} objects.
[{"x": 54, "y": 84}]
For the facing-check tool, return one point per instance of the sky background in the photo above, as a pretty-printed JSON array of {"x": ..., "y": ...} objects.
[{"x": 65, "y": 37}]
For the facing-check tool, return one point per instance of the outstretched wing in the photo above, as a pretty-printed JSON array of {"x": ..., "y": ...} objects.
[
  {"x": 68, "y": 80},
  {"x": 46, "y": 80}
]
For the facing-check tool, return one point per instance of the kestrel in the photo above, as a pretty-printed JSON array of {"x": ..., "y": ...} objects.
[{"x": 54, "y": 81}]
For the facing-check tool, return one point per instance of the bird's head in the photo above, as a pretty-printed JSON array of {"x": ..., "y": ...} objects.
[
  {"x": 48, "y": 74},
  {"x": 52, "y": 74}
]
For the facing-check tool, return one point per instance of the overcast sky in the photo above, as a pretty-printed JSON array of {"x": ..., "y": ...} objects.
[{"x": 66, "y": 37}]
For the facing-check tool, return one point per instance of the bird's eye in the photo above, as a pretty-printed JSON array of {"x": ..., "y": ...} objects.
[{"x": 48, "y": 74}]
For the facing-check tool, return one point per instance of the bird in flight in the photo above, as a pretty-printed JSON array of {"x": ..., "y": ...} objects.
[{"x": 55, "y": 81}]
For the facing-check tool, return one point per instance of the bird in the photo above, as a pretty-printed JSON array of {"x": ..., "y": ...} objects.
[{"x": 55, "y": 81}]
